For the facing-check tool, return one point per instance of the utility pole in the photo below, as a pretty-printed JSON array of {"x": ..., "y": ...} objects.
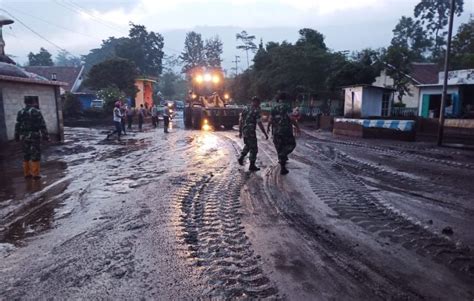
[
  {"x": 237, "y": 61},
  {"x": 445, "y": 81}
]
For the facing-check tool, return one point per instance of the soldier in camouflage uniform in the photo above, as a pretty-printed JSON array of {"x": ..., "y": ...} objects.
[
  {"x": 282, "y": 128},
  {"x": 29, "y": 128},
  {"x": 249, "y": 119}
]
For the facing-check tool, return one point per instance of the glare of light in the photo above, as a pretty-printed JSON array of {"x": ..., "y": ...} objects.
[
  {"x": 207, "y": 77},
  {"x": 226, "y": 96},
  {"x": 193, "y": 96},
  {"x": 206, "y": 127},
  {"x": 206, "y": 122},
  {"x": 199, "y": 78},
  {"x": 216, "y": 79}
]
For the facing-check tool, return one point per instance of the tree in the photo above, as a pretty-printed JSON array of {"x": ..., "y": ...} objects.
[
  {"x": 167, "y": 85},
  {"x": 110, "y": 95},
  {"x": 64, "y": 58},
  {"x": 434, "y": 16},
  {"x": 213, "y": 52},
  {"x": 410, "y": 34},
  {"x": 42, "y": 58},
  {"x": 116, "y": 72},
  {"x": 311, "y": 37},
  {"x": 193, "y": 54},
  {"x": 247, "y": 44},
  {"x": 463, "y": 47},
  {"x": 105, "y": 52},
  {"x": 398, "y": 60},
  {"x": 72, "y": 105},
  {"x": 143, "y": 48}
]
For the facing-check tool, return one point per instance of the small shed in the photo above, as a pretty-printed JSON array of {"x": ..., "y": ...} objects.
[
  {"x": 16, "y": 85},
  {"x": 145, "y": 92},
  {"x": 362, "y": 101}
]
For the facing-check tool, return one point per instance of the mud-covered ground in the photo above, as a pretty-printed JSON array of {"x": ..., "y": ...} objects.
[{"x": 173, "y": 216}]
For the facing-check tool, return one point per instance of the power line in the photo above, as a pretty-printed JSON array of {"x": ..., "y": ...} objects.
[
  {"x": 47, "y": 22},
  {"x": 91, "y": 13},
  {"x": 75, "y": 10},
  {"x": 35, "y": 32}
]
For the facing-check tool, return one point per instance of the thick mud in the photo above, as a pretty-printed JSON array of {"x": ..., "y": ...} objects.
[{"x": 174, "y": 216}]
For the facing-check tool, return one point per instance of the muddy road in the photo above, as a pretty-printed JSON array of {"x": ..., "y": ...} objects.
[{"x": 174, "y": 216}]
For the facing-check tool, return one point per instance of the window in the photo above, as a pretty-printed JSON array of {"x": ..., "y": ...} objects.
[{"x": 33, "y": 99}]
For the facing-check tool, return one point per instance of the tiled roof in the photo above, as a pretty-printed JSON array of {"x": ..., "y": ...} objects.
[
  {"x": 63, "y": 74},
  {"x": 425, "y": 73}
]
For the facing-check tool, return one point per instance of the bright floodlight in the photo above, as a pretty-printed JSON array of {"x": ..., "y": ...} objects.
[
  {"x": 207, "y": 77},
  {"x": 216, "y": 79},
  {"x": 226, "y": 96},
  {"x": 199, "y": 79}
]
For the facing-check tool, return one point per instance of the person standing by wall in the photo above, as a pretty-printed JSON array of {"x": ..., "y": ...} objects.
[
  {"x": 130, "y": 112},
  {"x": 30, "y": 127},
  {"x": 141, "y": 117},
  {"x": 117, "y": 117}
]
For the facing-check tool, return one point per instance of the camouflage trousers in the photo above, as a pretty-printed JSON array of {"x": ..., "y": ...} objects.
[
  {"x": 250, "y": 147},
  {"x": 31, "y": 149},
  {"x": 284, "y": 145}
]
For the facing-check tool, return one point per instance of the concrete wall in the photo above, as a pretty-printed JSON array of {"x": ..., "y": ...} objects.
[
  {"x": 13, "y": 95},
  {"x": 411, "y": 101}
]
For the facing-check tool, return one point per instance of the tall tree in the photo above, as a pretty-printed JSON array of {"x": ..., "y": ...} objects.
[
  {"x": 213, "y": 51},
  {"x": 42, "y": 58},
  {"x": 193, "y": 54},
  {"x": 398, "y": 60},
  {"x": 64, "y": 58},
  {"x": 434, "y": 16},
  {"x": 247, "y": 44},
  {"x": 463, "y": 47},
  {"x": 105, "y": 52},
  {"x": 143, "y": 48},
  {"x": 311, "y": 37},
  {"x": 116, "y": 72},
  {"x": 411, "y": 35}
]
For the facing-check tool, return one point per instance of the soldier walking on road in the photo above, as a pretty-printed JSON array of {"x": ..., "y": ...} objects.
[
  {"x": 249, "y": 119},
  {"x": 30, "y": 127},
  {"x": 282, "y": 127},
  {"x": 166, "y": 118}
]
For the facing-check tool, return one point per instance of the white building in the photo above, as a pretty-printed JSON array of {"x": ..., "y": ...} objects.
[
  {"x": 363, "y": 101},
  {"x": 15, "y": 86},
  {"x": 420, "y": 74}
]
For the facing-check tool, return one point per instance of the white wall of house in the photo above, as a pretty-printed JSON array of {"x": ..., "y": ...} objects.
[
  {"x": 372, "y": 102},
  {"x": 385, "y": 81},
  {"x": 13, "y": 101},
  {"x": 352, "y": 107}
]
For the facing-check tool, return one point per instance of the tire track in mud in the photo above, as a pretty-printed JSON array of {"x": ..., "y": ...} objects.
[
  {"x": 392, "y": 180},
  {"x": 215, "y": 239},
  {"x": 347, "y": 195},
  {"x": 404, "y": 151}
]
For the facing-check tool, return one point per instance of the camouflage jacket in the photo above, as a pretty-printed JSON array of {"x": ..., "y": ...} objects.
[
  {"x": 250, "y": 117},
  {"x": 30, "y": 123},
  {"x": 281, "y": 121}
]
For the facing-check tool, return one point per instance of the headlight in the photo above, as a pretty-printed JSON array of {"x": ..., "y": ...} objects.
[
  {"x": 199, "y": 79},
  {"x": 207, "y": 77},
  {"x": 193, "y": 96},
  {"x": 226, "y": 96},
  {"x": 216, "y": 79}
]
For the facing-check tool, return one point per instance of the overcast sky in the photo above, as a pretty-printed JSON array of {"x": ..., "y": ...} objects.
[{"x": 79, "y": 25}]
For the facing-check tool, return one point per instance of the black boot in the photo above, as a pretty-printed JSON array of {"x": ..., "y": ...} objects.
[
  {"x": 283, "y": 170},
  {"x": 241, "y": 160},
  {"x": 252, "y": 166}
]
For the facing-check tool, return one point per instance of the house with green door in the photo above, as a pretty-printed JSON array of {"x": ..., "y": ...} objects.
[{"x": 460, "y": 100}]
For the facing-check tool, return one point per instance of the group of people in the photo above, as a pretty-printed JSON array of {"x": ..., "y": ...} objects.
[
  {"x": 124, "y": 114},
  {"x": 283, "y": 125}
]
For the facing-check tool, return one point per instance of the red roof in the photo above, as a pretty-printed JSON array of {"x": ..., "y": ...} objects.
[
  {"x": 425, "y": 73},
  {"x": 68, "y": 75}
]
